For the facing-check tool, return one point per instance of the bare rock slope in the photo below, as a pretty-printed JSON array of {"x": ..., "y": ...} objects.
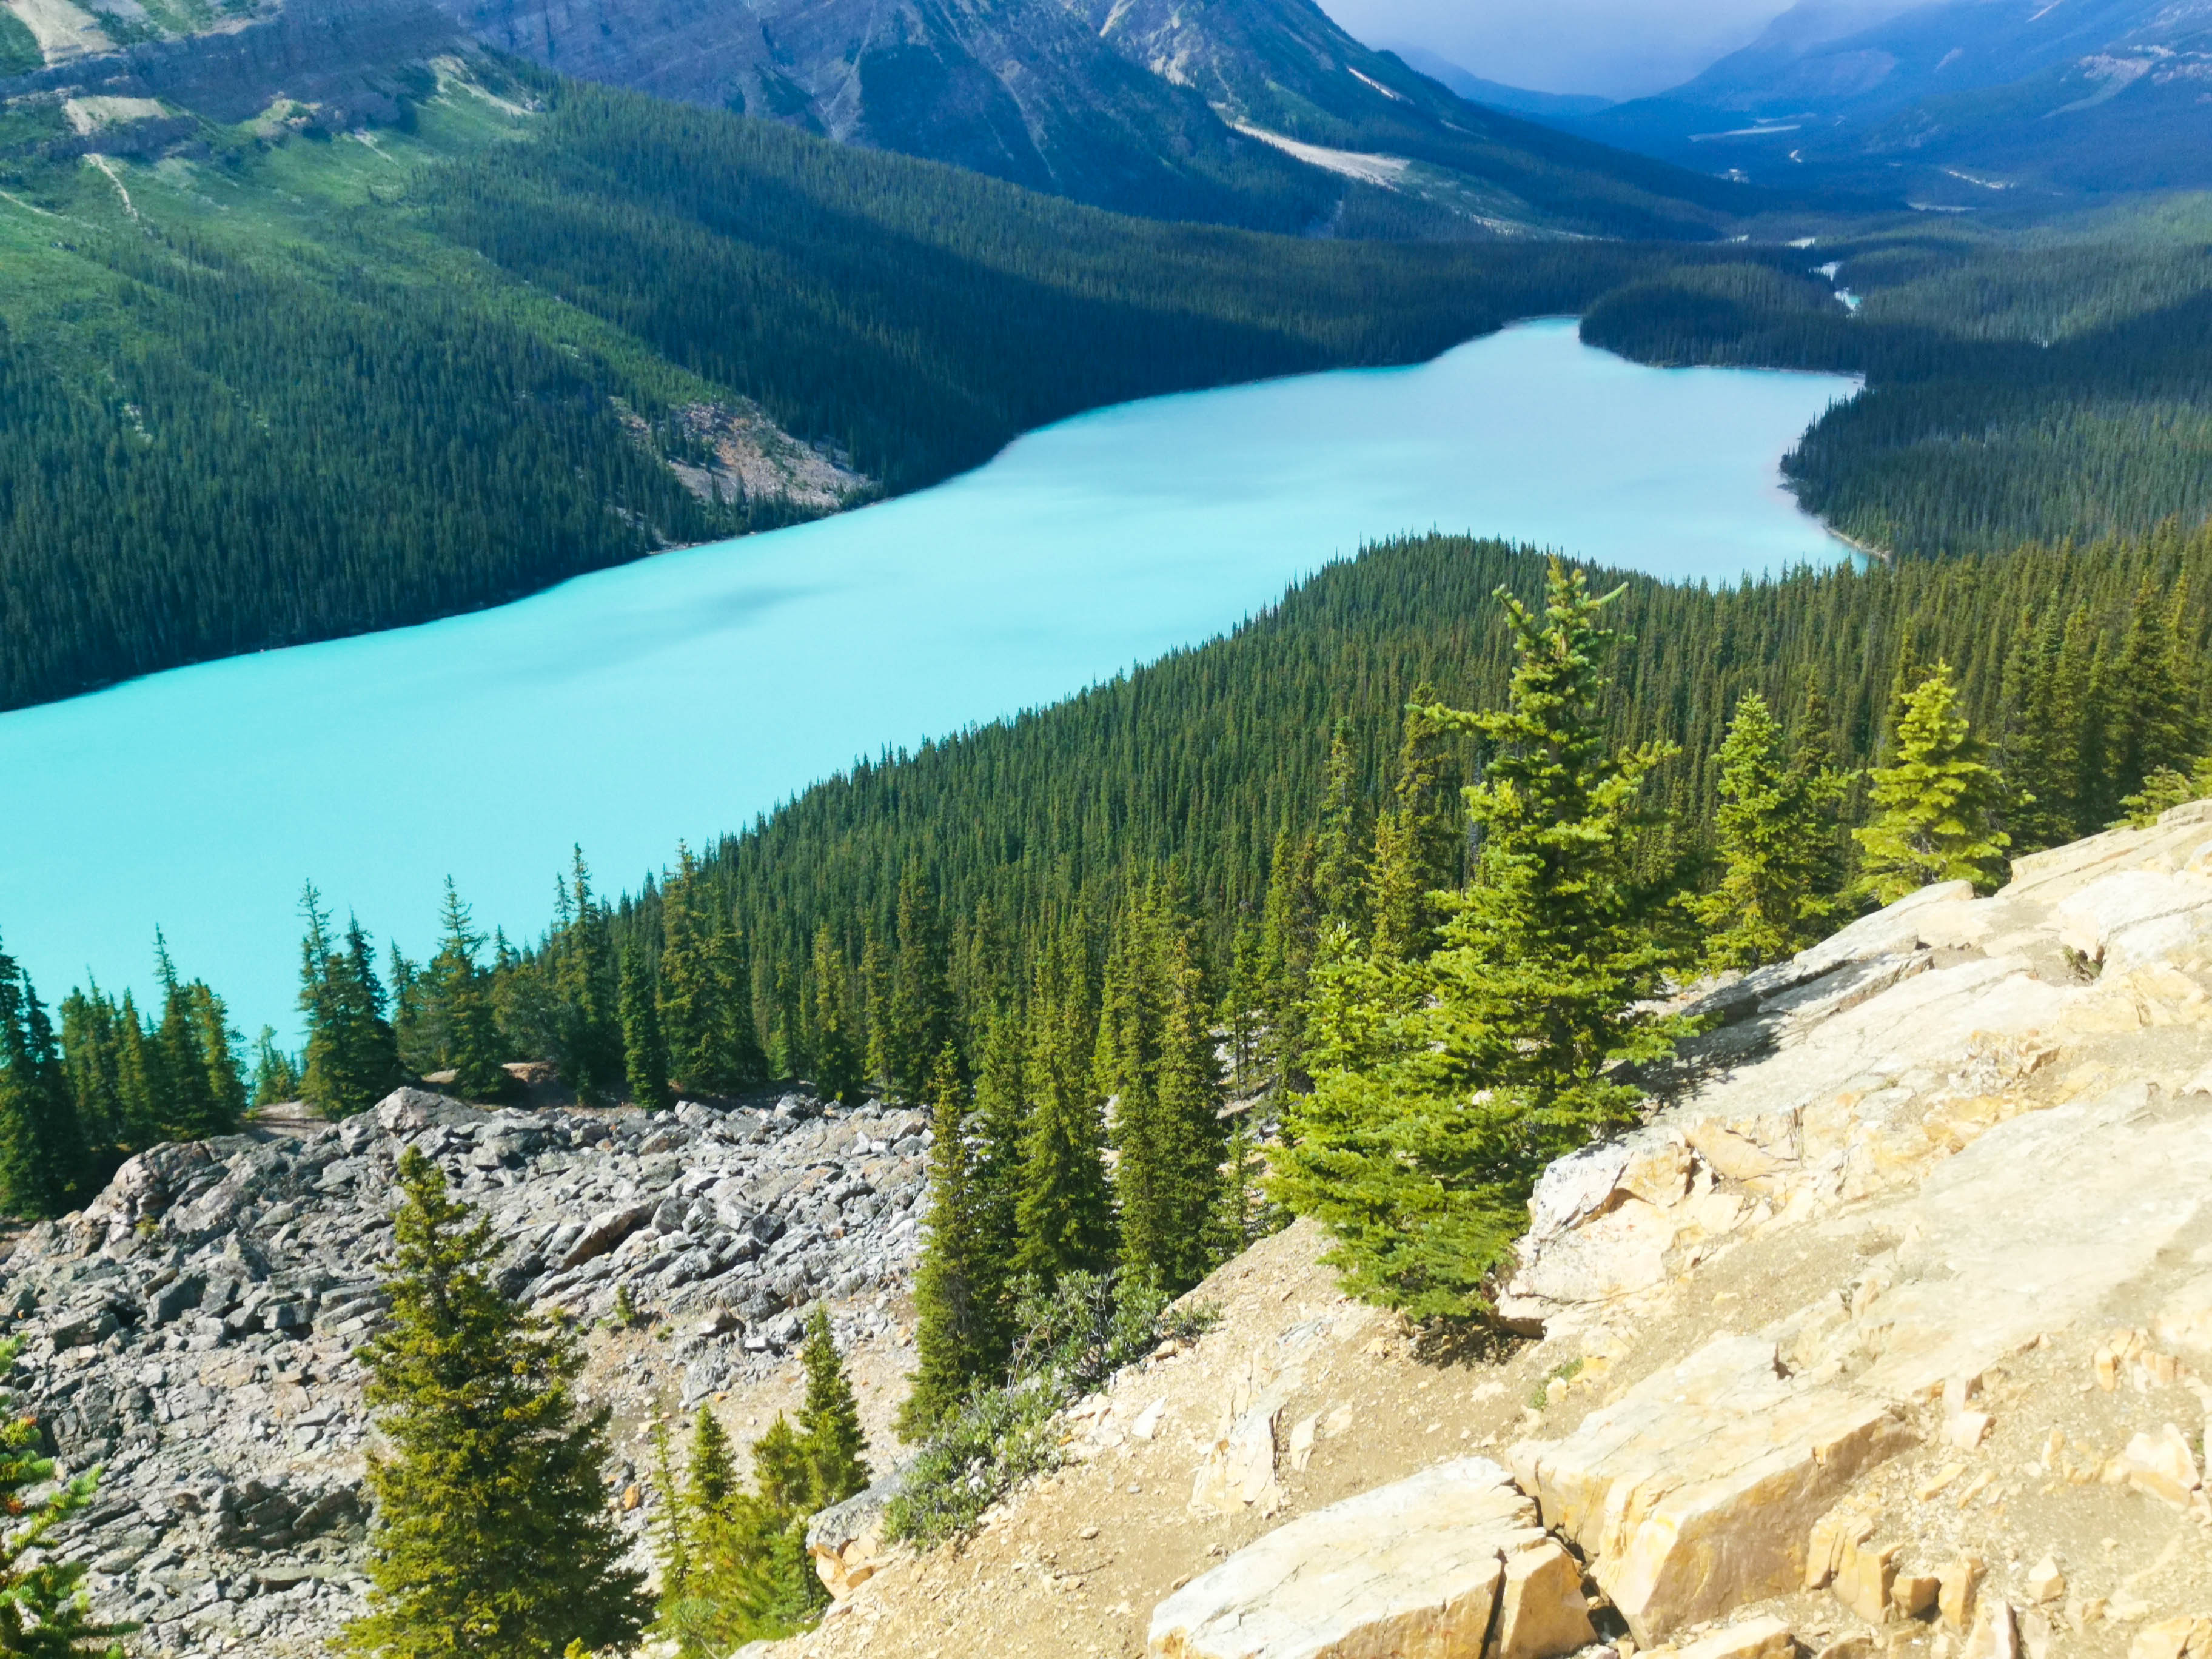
[{"x": 194, "y": 1328}]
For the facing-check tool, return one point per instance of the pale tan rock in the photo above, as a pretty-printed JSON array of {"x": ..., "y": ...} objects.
[
  {"x": 1858, "y": 1646},
  {"x": 1415, "y": 1569},
  {"x": 1735, "y": 1154},
  {"x": 1658, "y": 1173},
  {"x": 1995, "y": 1635},
  {"x": 1957, "y": 1585},
  {"x": 1541, "y": 1610},
  {"x": 1967, "y": 1430},
  {"x": 1864, "y": 1578},
  {"x": 1832, "y": 1535},
  {"x": 2170, "y": 1639},
  {"x": 2161, "y": 1466},
  {"x": 1302, "y": 1442},
  {"x": 2044, "y": 1580},
  {"x": 1764, "y": 1637},
  {"x": 1697, "y": 1489},
  {"x": 1914, "y": 1595}
]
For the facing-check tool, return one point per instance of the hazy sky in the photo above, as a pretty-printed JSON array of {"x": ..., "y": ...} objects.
[{"x": 1617, "y": 47}]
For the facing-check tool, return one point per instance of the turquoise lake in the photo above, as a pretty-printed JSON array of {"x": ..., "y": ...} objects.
[{"x": 679, "y": 697}]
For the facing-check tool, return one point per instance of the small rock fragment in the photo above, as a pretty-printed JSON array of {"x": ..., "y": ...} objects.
[
  {"x": 1914, "y": 1595},
  {"x": 1967, "y": 1430},
  {"x": 2045, "y": 1582},
  {"x": 1955, "y": 1595},
  {"x": 1764, "y": 1637},
  {"x": 1995, "y": 1636}
]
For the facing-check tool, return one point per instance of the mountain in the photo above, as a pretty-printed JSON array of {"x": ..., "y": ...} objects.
[
  {"x": 1514, "y": 100},
  {"x": 1957, "y": 101},
  {"x": 1259, "y": 113}
]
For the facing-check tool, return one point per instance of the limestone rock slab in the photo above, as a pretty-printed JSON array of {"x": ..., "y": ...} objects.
[{"x": 1416, "y": 1570}]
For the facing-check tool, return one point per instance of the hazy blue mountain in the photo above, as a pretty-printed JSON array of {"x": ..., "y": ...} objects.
[
  {"x": 1515, "y": 100},
  {"x": 1955, "y": 102}
]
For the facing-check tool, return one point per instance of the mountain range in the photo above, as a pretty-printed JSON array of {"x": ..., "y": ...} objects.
[
  {"x": 1259, "y": 113},
  {"x": 1952, "y": 104}
]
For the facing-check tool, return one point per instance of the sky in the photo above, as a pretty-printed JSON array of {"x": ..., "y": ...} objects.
[{"x": 1618, "y": 48}]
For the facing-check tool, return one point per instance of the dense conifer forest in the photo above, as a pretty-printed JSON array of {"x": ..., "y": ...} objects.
[{"x": 310, "y": 386}]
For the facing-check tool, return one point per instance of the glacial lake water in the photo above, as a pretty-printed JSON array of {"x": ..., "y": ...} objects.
[{"x": 679, "y": 697}]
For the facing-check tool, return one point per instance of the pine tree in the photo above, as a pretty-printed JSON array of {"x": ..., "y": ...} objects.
[
  {"x": 44, "y": 1611},
  {"x": 1774, "y": 826},
  {"x": 44, "y": 1164},
  {"x": 1936, "y": 799},
  {"x": 191, "y": 1111},
  {"x": 1338, "y": 875},
  {"x": 491, "y": 1535},
  {"x": 276, "y": 1077},
  {"x": 460, "y": 993},
  {"x": 836, "y": 1051},
  {"x": 745, "y": 1062},
  {"x": 353, "y": 1053},
  {"x": 1001, "y": 1108},
  {"x": 219, "y": 1042},
  {"x": 693, "y": 1022},
  {"x": 922, "y": 1000},
  {"x": 712, "y": 1475},
  {"x": 588, "y": 991},
  {"x": 1289, "y": 926},
  {"x": 92, "y": 1048},
  {"x": 1416, "y": 841},
  {"x": 956, "y": 1340},
  {"x": 1063, "y": 1217},
  {"x": 645, "y": 1057},
  {"x": 1441, "y": 1093},
  {"x": 829, "y": 1421},
  {"x": 875, "y": 997},
  {"x": 2156, "y": 724}
]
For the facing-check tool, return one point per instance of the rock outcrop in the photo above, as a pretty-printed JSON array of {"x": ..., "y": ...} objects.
[{"x": 193, "y": 1329}]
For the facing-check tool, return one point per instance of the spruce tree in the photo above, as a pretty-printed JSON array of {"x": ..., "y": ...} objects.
[
  {"x": 1774, "y": 826},
  {"x": 1936, "y": 799},
  {"x": 275, "y": 1076},
  {"x": 1001, "y": 1109},
  {"x": 45, "y": 1164},
  {"x": 829, "y": 1421},
  {"x": 219, "y": 1042},
  {"x": 744, "y": 1063},
  {"x": 92, "y": 1048},
  {"x": 1064, "y": 1216},
  {"x": 645, "y": 1057},
  {"x": 837, "y": 1049},
  {"x": 587, "y": 989},
  {"x": 1339, "y": 873},
  {"x": 1290, "y": 928},
  {"x": 693, "y": 1023},
  {"x": 191, "y": 1111},
  {"x": 957, "y": 1343},
  {"x": 2156, "y": 701},
  {"x": 460, "y": 992},
  {"x": 353, "y": 1053},
  {"x": 1441, "y": 1091},
  {"x": 1192, "y": 1138},
  {"x": 491, "y": 1535},
  {"x": 712, "y": 1475},
  {"x": 922, "y": 1000},
  {"x": 876, "y": 1001},
  {"x": 44, "y": 1611}
]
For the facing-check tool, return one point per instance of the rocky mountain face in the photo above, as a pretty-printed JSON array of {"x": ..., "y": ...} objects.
[
  {"x": 1952, "y": 102},
  {"x": 193, "y": 1330},
  {"x": 1890, "y": 1332}
]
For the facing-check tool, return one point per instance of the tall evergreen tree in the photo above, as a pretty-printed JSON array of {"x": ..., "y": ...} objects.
[
  {"x": 460, "y": 993},
  {"x": 694, "y": 1025},
  {"x": 1339, "y": 873},
  {"x": 588, "y": 991},
  {"x": 1432, "y": 1112},
  {"x": 1776, "y": 822},
  {"x": 645, "y": 1056},
  {"x": 1289, "y": 926},
  {"x": 491, "y": 1536},
  {"x": 191, "y": 1110},
  {"x": 712, "y": 1474},
  {"x": 876, "y": 1002},
  {"x": 353, "y": 1053},
  {"x": 1064, "y": 1215},
  {"x": 275, "y": 1075},
  {"x": 830, "y": 1033},
  {"x": 2157, "y": 702},
  {"x": 956, "y": 1344},
  {"x": 829, "y": 1420},
  {"x": 1936, "y": 799},
  {"x": 45, "y": 1164},
  {"x": 921, "y": 999},
  {"x": 745, "y": 1062},
  {"x": 219, "y": 1042}
]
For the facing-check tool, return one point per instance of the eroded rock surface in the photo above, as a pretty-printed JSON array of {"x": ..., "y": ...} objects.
[{"x": 193, "y": 1329}]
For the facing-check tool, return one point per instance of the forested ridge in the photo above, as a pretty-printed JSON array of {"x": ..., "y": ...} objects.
[
  {"x": 308, "y": 387},
  {"x": 2050, "y": 385}
]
